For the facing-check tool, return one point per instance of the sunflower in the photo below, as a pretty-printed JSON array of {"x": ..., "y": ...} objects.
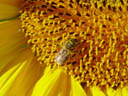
[{"x": 35, "y": 32}]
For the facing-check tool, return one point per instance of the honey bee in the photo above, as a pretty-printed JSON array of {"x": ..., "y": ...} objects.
[{"x": 68, "y": 47}]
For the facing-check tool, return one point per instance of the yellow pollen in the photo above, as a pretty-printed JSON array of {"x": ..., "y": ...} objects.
[{"x": 100, "y": 26}]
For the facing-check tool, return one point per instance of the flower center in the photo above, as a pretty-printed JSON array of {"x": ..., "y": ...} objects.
[{"x": 101, "y": 28}]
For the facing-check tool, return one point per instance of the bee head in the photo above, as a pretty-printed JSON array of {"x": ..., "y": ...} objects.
[
  {"x": 74, "y": 41},
  {"x": 71, "y": 43}
]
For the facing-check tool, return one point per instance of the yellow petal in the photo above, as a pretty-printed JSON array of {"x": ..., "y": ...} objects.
[
  {"x": 48, "y": 85},
  {"x": 26, "y": 79},
  {"x": 18, "y": 71},
  {"x": 8, "y": 12},
  {"x": 9, "y": 30},
  {"x": 118, "y": 92},
  {"x": 21, "y": 81},
  {"x": 113, "y": 92},
  {"x": 76, "y": 89},
  {"x": 4, "y": 86},
  {"x": 11, "y": 42},
  {"x": 17, "y": 3},
  {"x": 6, "y": 76},
  {"x": 96, "y": 91},
  {"x": 125, "y": 91},
  {"x": 57, "y": 83}
]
